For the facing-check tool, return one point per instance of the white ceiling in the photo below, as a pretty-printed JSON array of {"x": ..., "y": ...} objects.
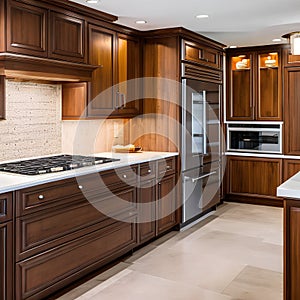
[{"x": 232, "y": 22}]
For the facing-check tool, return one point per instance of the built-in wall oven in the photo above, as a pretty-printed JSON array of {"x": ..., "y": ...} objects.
[{"x": 256, "y": 138}]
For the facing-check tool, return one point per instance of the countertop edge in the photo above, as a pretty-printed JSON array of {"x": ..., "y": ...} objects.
[
  {"x": 290, "y": 188},
  {"x": 13, "y": 182}
]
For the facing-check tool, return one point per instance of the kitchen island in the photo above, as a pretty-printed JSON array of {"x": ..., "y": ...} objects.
[
  {"x": 290, "y": 191},
  {"x": 56, "y": 228}
]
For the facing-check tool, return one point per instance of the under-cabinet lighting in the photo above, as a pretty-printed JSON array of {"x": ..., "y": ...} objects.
[
  {"x": 276, "y": 40},
  {"x": 91, "y": 1},
  {"x": 294, "y": 40},
  {"x": 232, "y": 46}
]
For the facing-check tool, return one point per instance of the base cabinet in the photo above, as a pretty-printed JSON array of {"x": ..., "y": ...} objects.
[
  {"x": 291, "y": 249},
  {"x": 252, "y": 179},
  {"x": 157, "y": 201},
  {"x": 6, "y": 262}
]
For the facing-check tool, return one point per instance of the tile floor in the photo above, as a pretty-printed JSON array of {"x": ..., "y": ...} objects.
[{"x": 233, "y": 254}]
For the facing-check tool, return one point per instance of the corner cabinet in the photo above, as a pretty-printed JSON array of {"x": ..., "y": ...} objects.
[
  {"x": 254, "y": 84},
  {"x": 6, "y": 247},
  {"x": 111, "y": 92}
]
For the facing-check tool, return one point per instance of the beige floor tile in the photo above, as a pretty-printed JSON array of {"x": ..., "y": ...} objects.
[
  {"x": 256, "y": 283},
  {"x": 136, "y": 286}
]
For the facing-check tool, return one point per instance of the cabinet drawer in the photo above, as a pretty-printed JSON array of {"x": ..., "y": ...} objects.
[
  {"x": 5, "y": 207},
  {"x": 44, "y": 230},
  {"x": 147, "y": 170},
  {"x": 166, "y": 166},
  {"x": 49, "y": 194},
  {"x": 202, "y": 55},
  {"x": 40, "y": 275},
  {"x": 120, "y": 177}
]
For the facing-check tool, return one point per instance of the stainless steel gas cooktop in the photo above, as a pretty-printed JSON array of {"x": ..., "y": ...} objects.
[{"x": 52, "y": 164}]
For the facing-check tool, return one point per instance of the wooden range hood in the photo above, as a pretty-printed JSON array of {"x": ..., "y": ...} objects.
[{"x": 35, "y": 68}]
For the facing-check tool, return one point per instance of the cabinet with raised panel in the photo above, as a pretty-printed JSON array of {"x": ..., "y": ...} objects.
[{"x": 254, "y": 84}]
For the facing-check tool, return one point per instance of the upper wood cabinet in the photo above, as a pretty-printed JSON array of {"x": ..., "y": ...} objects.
[
  {"x": 67, "y": 37},
  {"x": 200, "y": 54},
  {"x": 102, "y": 54},
  {"x": 118, "y": 59},
  {"x": 254, "y": 84},
  {"x": 26, "y": 29},
  {"x": 292, "y": 111}
]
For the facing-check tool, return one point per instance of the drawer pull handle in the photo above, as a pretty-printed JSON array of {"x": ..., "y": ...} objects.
[
  {"x": 41, "y": 197},
  {"x": 124, "y": 176},
  {"x": 149, "y": 171},
  {"x": 168, "y": 167},
  {"x": 80, "y": 187}
]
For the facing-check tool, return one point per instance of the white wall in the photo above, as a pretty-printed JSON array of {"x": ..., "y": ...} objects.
[{"x": 33, "y": 120}]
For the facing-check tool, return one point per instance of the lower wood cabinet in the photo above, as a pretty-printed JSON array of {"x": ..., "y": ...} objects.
[
  {"x": 60, "y": 236},
  {"x": 157, "y": 200},
  {"x": 291, "y": 249},
  {"x": 254, "y": 179},
  {"x": 6, "y": 246},
  {"x": 6, "y": 261},
  {"x": 290, "y": 168}
]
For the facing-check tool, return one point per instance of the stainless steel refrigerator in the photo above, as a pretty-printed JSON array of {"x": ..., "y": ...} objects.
[{"x": 200, "y": 149}]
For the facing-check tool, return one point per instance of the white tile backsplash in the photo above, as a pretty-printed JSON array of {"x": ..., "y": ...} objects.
[{"x": 33, "y": 124}]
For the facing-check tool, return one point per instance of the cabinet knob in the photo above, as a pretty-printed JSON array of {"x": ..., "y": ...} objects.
[
  {"x": 149, "y": 171},
  {"x": 41, "y": 197},
  {"x": 80, "y": 187},
  {"x": 168, "y": 167},
  {"x": 124, "y": 176}
]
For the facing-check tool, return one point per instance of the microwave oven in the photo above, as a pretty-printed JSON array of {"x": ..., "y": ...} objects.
[{"x": 255, "y": 138}]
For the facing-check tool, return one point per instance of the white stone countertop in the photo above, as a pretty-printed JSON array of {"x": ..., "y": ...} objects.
[
  {"x": 10, "y": 181},
  {"x": 290, "y": 188}
]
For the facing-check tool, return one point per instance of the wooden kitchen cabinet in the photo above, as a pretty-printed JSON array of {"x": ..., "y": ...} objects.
[
  {"x": 290, "y": 168},
  {"x": 27, "y": 31},
  {"x": 201, "y": 54},
  {"x": 292, "y": 111},
  {"x": 118, "y": 59},
  {"x": 254, "y": 84},
  {"x": 291, "y": 249},
  {"x": 6, "y": 247},
  {"x": 166, "y": 203},
  {"x": 67, "y": 38},
  {"x": 254, "y": 179},
  {"x": 158, "y": 198}
]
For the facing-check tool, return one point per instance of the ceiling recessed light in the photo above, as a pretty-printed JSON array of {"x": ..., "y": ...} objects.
[
  {"x": 276, "y": 40},
  {"x": 202, "y": 16},
  {"x": 140, "y": 22},
  {"x": 91, "y": 1}
]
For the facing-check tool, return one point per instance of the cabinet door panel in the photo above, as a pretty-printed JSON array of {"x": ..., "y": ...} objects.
[
  {"x": 166, "y": 206},
  {"x": 254, "y": 176},
  {"x": 26, "y": 29},
  {"x": 101, "y": 53},
  {"x": 292, "y": 111},
  {"x": 146, "y": 211},
  {"x": 67, "y": 38},
  {"x": 6, "y": 263},
  {"x": 291, "y": 167}
]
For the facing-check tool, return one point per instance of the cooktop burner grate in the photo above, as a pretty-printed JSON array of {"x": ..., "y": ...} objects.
[{"x": 53, "y": 164}]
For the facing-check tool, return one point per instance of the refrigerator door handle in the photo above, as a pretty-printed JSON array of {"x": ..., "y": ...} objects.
[
  {"x": 204, "y": 124},
  {"x": 200, "y": 177}
]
